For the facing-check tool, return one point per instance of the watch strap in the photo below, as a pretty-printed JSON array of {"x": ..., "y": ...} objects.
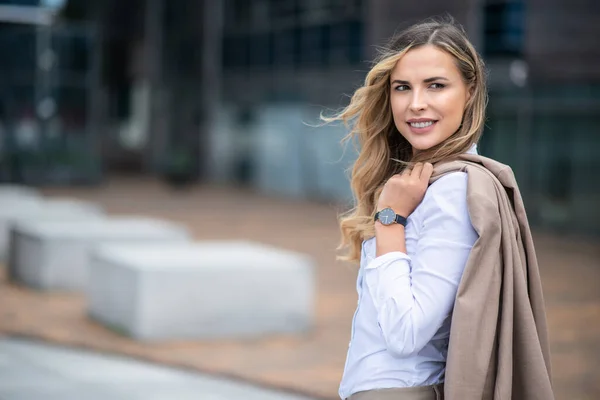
[{"x": 401, "y": 220}]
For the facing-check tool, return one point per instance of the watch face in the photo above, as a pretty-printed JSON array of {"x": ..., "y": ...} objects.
[{"x": 387, "y": 216}]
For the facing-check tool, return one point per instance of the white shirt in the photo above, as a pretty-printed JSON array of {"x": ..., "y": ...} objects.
[{"x": 401, "y": 326}]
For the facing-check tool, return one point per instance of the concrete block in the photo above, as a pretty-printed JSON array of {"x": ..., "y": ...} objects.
[
  {"x": 9, "y": 203},
  {"x": 46, "y": 210},
  {"x": 202, "y": 290},
  {"x": 54, "y": 255},
  {"x": 10, "y": 191}
]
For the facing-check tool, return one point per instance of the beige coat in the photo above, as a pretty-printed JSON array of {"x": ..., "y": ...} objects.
[{"x": 498, "y": 340}]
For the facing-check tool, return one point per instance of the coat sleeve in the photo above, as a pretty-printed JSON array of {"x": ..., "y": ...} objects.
[{"x": 471, "y": 367}]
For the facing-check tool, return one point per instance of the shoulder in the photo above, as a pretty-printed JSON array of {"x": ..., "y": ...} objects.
[
  {"x": 484, "y": 180},
  {"x": 447, "y": 196},
  {"x": 486, "y": 174},
  {"x": 444, "y": 212},
  {"x": 452, "y": 186}
]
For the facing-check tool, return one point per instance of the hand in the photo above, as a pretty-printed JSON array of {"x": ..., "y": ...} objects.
[{"x": 403, "y": 192}]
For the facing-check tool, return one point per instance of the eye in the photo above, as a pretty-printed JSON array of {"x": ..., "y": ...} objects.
[
  {"x": 437, "y": 86},
  {"x": 401, "y": 88}
]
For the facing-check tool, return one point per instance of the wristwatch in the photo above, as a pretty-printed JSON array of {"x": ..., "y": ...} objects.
[{"x": 387, "y": 216}]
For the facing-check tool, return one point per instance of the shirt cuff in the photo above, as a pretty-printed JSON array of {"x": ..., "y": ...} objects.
[{"x": 386, "y": 259}]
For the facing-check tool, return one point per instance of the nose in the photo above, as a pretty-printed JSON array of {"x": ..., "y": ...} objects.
[{"x": 418, "y": 101}]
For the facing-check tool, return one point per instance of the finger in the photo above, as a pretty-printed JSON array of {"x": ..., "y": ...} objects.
[
  {"x": 406, "y": 171},
  {"x": 427, "y": 171},
  {"x": 416, "y": 171}
]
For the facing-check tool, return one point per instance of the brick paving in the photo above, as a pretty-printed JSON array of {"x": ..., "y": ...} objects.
[{"x": 310, "y": 364}]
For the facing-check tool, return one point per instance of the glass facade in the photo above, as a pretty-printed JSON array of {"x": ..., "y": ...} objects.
[
  {"x": 44, "y": 107},
  {"x": 292, "y": 34},
  {"x": 548, "y": 135},
  {"x": 504, "y": 28}
]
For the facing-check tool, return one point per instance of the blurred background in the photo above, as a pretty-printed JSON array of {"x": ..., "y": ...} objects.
[
  {"x": 120, "y": 102},
  {"x": 223, "y": 90}
]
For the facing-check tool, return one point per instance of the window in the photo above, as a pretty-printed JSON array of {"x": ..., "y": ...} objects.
[
  {"x": 237, "y": 14},
  {"x": 285, "y": 47},
  {"x": 294, "y": 34},
  {"x": 346, "y": 42},
  {"x": 314, "y": 46},
  {"x": 504, "y": 28},
  {"x": 235, "y": 51},
  {"x": 261, "y": 49},
  {"x": 284, "y": 10}
]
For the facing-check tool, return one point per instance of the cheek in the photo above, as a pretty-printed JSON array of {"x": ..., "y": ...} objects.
[
  {"x": 398, "y": 107},
  {"x": 398, "y": 117},
  {"x": 394, "y": 105},
  {"x": 452, "y": 106}
]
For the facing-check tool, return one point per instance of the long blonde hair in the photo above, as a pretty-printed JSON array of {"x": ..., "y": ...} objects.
[{"x": 383, "y": 151}]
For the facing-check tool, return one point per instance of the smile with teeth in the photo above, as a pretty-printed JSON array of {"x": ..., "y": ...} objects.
[{"x": 421, "y": 124}]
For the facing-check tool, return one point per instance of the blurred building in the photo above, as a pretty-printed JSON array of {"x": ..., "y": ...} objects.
[
  {"x": 46, "y": 95},
  {"x": 229, "y": 89}
]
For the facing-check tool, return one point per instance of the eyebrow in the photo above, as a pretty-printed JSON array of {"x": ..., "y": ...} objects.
[{"x": 428, "y": 80}]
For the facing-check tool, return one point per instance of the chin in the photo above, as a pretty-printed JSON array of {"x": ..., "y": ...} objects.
[{"x": 422, "y": 145}]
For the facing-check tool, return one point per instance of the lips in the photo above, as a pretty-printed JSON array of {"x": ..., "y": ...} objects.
[
  {"x": 421, "y": 125},
  {"x": 419, "y": 120}
]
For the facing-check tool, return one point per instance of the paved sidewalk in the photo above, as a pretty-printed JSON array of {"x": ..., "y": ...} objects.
[{"x": 34, "y": 371}]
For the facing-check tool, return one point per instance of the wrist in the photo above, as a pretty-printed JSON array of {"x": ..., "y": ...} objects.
[
  {"x": 390, "y": 238},
  {"x": 379, "y": 227}
]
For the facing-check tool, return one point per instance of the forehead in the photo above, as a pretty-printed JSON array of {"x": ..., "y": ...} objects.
[{"x": 425, "y": 62}]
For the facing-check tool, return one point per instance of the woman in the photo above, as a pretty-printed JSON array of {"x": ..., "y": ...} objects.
[{"x": 435, "y": 311}]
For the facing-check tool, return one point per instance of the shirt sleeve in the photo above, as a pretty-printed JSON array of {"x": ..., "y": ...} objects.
[{"x": 414, "y": 295}]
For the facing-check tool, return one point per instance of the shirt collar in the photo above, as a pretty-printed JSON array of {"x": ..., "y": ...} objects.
[{"x": 473, "y": 149}]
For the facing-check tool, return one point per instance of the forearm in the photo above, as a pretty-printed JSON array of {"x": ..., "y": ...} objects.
[
  {"x": 389, "y": 238},
  {"x": 413, "y": 295}
]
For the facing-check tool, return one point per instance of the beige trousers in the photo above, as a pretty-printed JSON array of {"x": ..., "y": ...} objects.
[{"x": 410, "y": 393}]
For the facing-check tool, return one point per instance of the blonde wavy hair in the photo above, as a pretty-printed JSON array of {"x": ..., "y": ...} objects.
[{"x": 383, "y": 151}]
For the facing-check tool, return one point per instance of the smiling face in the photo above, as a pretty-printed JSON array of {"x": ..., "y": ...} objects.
[{"x": 427, "y": 96}]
